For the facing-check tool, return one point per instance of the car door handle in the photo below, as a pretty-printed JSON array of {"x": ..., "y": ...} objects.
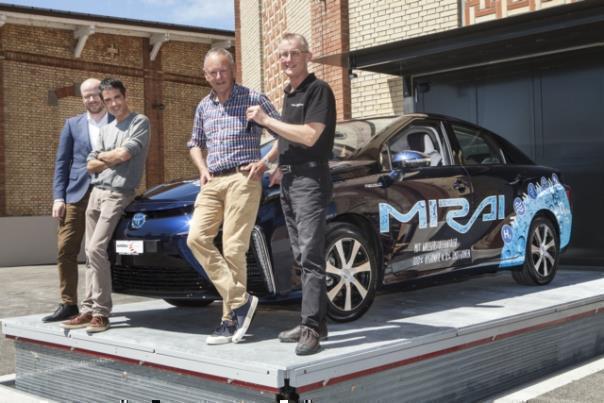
[
  {"x": 519, "y": 178},
  {"x": 460, "y": 186}
]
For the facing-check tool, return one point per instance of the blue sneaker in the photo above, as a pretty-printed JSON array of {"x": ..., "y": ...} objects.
[
  {"x": 243, "y": 317},
  {"x": 223, "y": 333}
]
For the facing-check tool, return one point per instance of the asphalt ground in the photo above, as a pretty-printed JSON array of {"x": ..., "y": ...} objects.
[{"x": 30, "y": 290}]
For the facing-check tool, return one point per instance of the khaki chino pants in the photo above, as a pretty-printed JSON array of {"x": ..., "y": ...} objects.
[
  {"x": 105, "y": 209},
  {"x": 230, "y": 200},
  {"x": 69, "y": 240}
]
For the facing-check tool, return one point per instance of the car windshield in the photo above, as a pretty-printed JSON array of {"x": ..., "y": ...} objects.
[
  {"x": 350, "y": 136},
  {"x": 355, "y": 134}
]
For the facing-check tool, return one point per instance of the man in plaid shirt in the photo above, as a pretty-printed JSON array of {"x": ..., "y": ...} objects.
[{"x": 226, "y": 151}]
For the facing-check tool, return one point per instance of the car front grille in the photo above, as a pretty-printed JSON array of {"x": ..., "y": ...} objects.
[{"x": 163, "y": 275}]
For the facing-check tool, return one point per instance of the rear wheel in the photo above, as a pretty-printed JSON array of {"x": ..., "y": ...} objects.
[
  {"x": 189, "y": 303},
  {"x": 351, "y": 272},
  {"x": 542, "y": 254}
]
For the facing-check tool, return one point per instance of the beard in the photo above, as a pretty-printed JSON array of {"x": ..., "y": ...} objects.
[{"x": 94, "y": 109}]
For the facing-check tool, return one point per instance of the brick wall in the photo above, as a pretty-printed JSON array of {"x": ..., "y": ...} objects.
[
  {"x": 330, "y": 36},
  {"x": 274, "y": 25},
  {"x": 180, "y": 102},
  {"x": 324, "y": 25},
  {"x": 249, "y": 47},
  {"x": 376, "y": 22},
  {"x": 477, "y": 11},
  {"x": 35, "y": 61}
]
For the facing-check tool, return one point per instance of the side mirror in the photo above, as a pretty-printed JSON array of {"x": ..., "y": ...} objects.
[{"x": 410, "y": 159}]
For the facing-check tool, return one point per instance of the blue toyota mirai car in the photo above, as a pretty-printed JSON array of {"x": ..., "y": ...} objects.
[{"x": 414, "y": 196}]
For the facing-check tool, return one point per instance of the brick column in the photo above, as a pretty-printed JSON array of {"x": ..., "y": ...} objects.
[
  {"x": 2, "y": 146},
  {"x": 154, "y": 106},
  {"x": 274, "y": 23},
  {"x": 238, "y": 65},
  {"x": 330, "y": 35}
]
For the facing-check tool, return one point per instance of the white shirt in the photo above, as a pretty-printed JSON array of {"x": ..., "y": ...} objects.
[{"x": 94, "y": 128}]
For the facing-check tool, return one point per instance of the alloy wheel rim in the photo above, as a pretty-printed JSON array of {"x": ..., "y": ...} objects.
[
  {"x": 348, "y": 274},
  {"x": 543, "y": 250}
]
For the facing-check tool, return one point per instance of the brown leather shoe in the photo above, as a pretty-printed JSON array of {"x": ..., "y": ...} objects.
[
  {"x": 80, "y": 321},
  {"x": 293, "y": 335},
  {"x": 309, "y": 341},
  {"x": 98, "y": 324}
]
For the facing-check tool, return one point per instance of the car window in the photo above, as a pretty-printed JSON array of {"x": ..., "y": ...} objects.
[
  {"x": 424, "y": 139},
  {"x": 477, "y": 147},
  {"x": 352, "y": 135}
]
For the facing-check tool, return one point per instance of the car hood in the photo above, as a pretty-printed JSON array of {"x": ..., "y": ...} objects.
[
  {"x": 167, "y": 196},
  {"x": 182, "y": 193}
]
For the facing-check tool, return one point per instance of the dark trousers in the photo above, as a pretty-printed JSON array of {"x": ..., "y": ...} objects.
[
  {"x": 69, "y": 239},
  {"x": 304, "y": 199}
]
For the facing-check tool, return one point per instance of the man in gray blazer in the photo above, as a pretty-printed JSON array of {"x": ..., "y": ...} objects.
[{"x": 71, "y": 188}]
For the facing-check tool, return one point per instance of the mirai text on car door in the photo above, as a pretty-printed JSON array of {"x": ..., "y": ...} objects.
[{"x": 415, "y": 217}]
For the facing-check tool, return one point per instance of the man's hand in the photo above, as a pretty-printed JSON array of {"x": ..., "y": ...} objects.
[
  {"x": 256, "y": 169},
  {"x": 275, "y": 178},
  {"x": 204, "y": 176},
  {"x": 256, "y": 113},
  {"x": 58, "y": 210}
]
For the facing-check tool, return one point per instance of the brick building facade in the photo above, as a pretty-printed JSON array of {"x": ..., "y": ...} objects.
[
  {"x": 45, "y": 55},
  {"x": 337, "y": 26}
]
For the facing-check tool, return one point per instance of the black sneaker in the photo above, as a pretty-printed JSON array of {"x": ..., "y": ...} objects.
[
  {"x": 223, "y": 333},
  {"x": 293, "y": 335},
  {"x": 63, "y": 312},
  {"x": 243, "y": 317},
  {"x": 309, "y": 341}
]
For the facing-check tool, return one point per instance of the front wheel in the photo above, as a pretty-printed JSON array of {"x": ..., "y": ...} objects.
[
  {"x": 542, "y": 254},
  {"x": 351, "y": 272}
]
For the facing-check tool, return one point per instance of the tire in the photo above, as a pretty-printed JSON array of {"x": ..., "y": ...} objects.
[
  {"x": 189, "y": 303},
  {"x": 542, "y": 254},
  {"x": 351, "y": 280}
]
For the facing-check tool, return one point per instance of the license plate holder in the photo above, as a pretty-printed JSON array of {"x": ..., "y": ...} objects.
[{"x": 129, "y": 247}]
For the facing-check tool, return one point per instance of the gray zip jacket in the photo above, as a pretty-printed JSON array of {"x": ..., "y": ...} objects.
[{"x": 133, "y": 134}]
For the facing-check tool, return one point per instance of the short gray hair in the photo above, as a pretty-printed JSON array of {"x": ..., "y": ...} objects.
[
  {"x": 288, "y": 36},
  {"x": 220, "y": 52}
]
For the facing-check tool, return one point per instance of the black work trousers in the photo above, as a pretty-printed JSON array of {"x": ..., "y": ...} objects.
[{"x": 305, "y": 195}]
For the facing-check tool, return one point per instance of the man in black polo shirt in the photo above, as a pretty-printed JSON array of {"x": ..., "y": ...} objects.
[{"x": 306, "y": 133}]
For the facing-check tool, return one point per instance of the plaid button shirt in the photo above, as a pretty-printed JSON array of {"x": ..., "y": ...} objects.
[{"x": 223, "y": 130}]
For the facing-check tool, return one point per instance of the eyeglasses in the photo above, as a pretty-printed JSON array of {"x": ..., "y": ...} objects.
[
  {"x": 214, "y": 73},
  {"x": 290, "y": 53}
]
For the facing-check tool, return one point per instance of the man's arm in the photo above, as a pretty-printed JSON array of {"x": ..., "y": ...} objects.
[
  {"x": 138, "y": 137},
  {"x": 95, "y": 166},
  {"x": 273, "y": 153},
  {"x": 306, "y": 134},
  {"x": 198, "y": 156},
  {"x": 114, "y": 157},
  {"x": 61, "y": 175},
  {"x": 63, "y": 161}
]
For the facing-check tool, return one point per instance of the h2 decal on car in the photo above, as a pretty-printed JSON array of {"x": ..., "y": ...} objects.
[
  {"x": 548, "y": 194},
  {"x": 491, "y": 207}
]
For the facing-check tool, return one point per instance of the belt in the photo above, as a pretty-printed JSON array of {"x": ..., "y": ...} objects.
[
  {"x": 228, "y": 171},
  {"x": 286, "y": 169}
]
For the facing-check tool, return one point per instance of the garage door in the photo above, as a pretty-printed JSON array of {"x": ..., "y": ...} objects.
[{"x": 552, "y": 108}]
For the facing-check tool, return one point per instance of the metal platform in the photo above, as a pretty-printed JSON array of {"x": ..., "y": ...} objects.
[{"x": 461, "y": 341}]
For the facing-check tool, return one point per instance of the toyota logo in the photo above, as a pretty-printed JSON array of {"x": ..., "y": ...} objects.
[{"x": 138, "y": 220}]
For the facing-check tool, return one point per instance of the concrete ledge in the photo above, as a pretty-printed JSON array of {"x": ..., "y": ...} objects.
[{"x": 26, "y": 241}]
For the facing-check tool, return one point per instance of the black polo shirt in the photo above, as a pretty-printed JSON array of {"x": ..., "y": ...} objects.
[{"x": 312, "y": 101}]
